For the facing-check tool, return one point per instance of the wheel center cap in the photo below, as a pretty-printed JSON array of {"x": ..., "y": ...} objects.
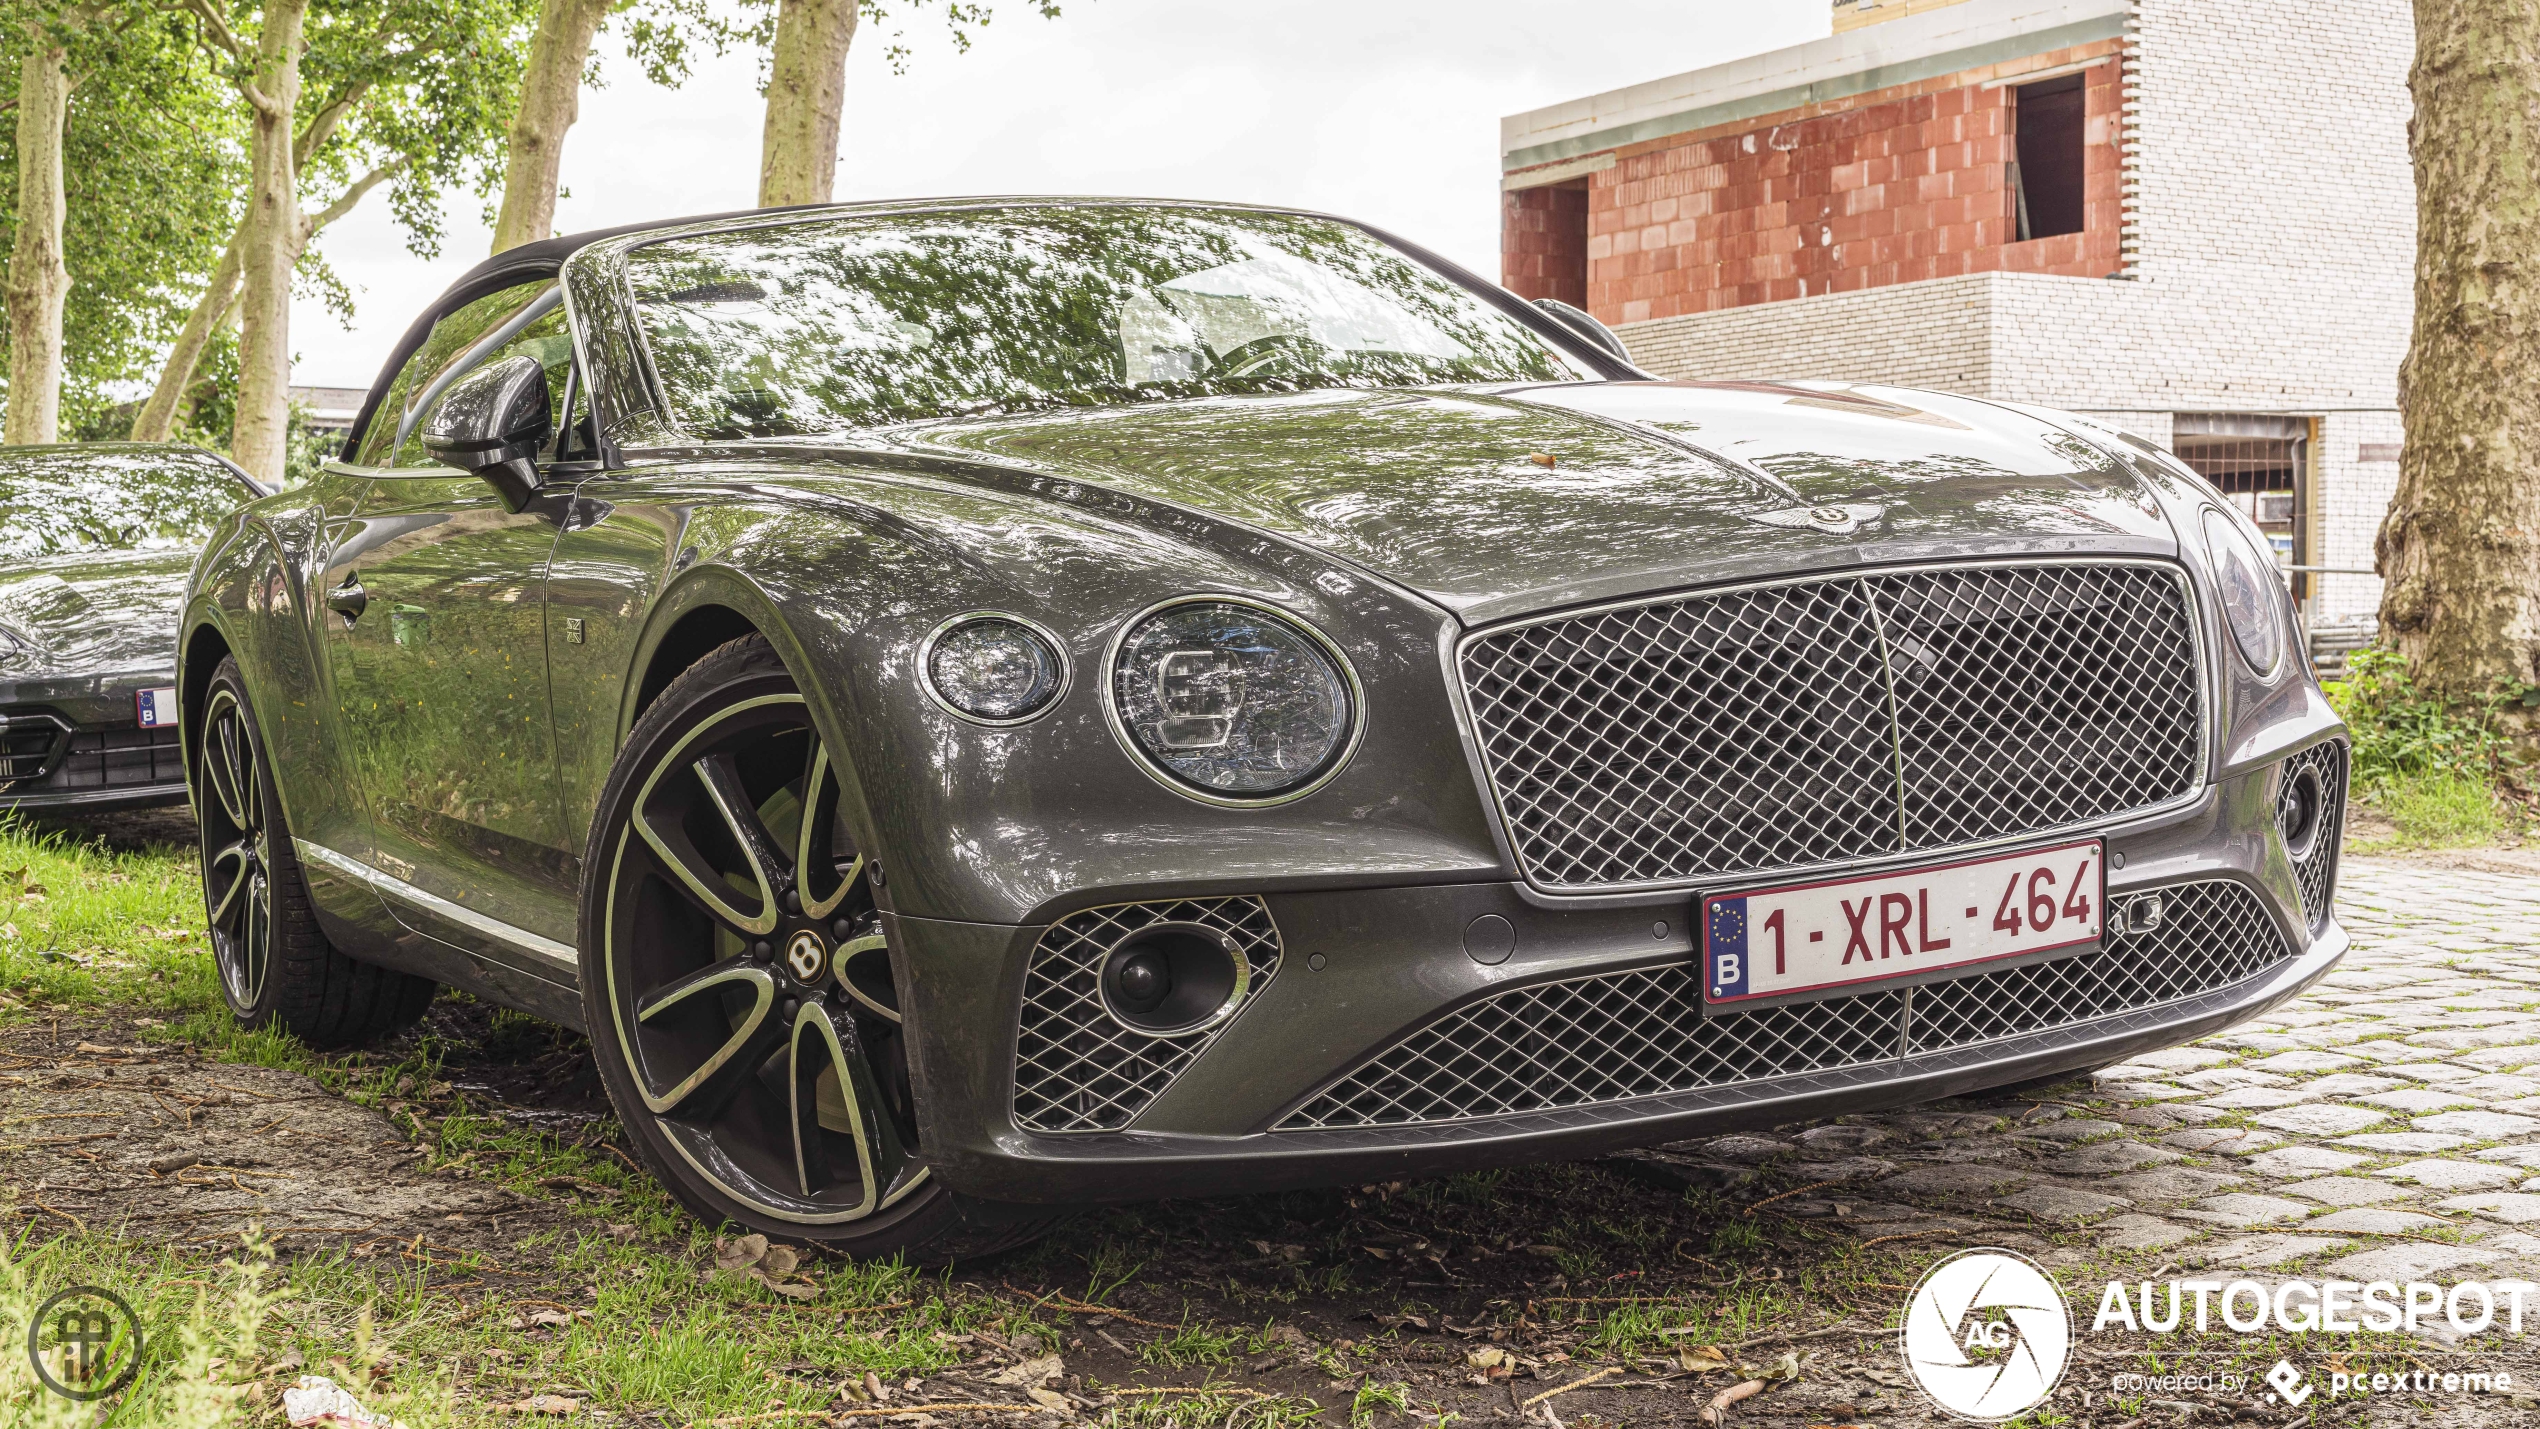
[{"x": 806, "y": 957}]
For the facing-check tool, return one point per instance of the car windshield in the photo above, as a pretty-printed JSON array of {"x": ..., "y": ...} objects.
[
  {"x": 836, "y": 323},
  {"x": 64, "y": 503}
]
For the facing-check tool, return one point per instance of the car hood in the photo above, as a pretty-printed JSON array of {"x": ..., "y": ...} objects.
[
  {"x": 95, "y": 612},
  {"x": 1496, "y": 502}
]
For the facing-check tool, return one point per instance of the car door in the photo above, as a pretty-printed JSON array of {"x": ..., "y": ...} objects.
[{"x": 442, "y": 696}]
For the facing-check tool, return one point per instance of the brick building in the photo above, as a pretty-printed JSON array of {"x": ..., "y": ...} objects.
[{"x": 2193, "y": 219}]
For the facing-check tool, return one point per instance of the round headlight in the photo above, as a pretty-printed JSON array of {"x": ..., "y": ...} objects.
[
  {"x": 1231, "y": 701},
  {"x": 2249, "y": 601},
  {"x": 994, "y": 669}
]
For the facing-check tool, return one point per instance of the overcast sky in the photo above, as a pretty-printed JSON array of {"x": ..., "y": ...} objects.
[{"x": 1385, "y": 110}]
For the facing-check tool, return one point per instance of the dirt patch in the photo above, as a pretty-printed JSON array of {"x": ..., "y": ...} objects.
[{"x": 159, "y": 1145}]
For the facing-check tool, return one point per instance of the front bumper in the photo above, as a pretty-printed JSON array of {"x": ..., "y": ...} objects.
[
  {"x": 71, "y": 764},
  {"x": 1231, "y": 1115}
]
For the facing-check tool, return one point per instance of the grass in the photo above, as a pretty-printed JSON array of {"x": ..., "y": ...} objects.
[
  {"x": 662, "y": 1336},
  {"x": 84, "y": 929},
  {"x": 2441, "y": 810}
]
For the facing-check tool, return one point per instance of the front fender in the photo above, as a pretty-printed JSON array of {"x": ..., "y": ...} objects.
[
  {"x": 848, "y": 571},
  {"x": 249, "y": 597}
]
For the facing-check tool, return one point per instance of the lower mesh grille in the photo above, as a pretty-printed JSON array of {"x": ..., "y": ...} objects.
[
  {"x": 1075, "y": 1069},
  {"x": 2317, "y": 870},
  {"x": 1622, "y": 1035},
  {"x": 117, "y": 757}
]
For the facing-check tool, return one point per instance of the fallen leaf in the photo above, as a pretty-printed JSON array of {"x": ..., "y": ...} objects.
[
  {"x": 1050, "y": 1400},
  {"x": 780, "y": 1260},
  {"x": 1700, "y": 1359},
  {"x": 549, "y": 1317},
  {"x": 734, "y": 1254},
  {"x": 1032, "y": 1372}
]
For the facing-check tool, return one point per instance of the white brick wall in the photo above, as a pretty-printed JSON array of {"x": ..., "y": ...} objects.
[{"x": 2270, "y": 239}]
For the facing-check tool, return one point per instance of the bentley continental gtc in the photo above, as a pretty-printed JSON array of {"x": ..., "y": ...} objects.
[
  {"x": 95, "y": 543},
  {"x": 984, "y": 706}
]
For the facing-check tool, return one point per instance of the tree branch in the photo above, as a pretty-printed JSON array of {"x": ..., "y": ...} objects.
[
  {"x": 221, "y": 34},
  {"x": 346, "y": 201},
  {"x": 322, "y": 123}
]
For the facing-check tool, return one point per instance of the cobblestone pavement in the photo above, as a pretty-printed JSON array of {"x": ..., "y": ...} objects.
[
  {"x": 2391, "y": 1110},
  {"x": 2383, "y": 1126}
]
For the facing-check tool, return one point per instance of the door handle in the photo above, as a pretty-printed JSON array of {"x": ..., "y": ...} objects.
[{"x": 349, "y": 600}]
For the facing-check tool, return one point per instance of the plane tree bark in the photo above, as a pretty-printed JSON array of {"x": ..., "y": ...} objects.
[
  {"x": 2460, "y": 547},
  {"x": 39, "y": 282},
  {"x": 550, "y": 100},
  {"x": 806, "y": 93},
  {"x": 807, "y": 88}
]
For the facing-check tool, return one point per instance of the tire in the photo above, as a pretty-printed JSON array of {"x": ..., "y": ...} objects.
[
  {"x": 743, "y": 1014},
  {"x": 276, "y": 967}
]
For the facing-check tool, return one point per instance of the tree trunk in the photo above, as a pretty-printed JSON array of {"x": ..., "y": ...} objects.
[
  {"x": 806, "y": 87},
  {"x": 269, "y": 246},
  {"x": 550, "y": 100},
  {"x": 159, "y": 415},
  {"x": 2460, "y": 549},
  {"x": 38, "y": 280},
  {"x": 156, "y": 421}
]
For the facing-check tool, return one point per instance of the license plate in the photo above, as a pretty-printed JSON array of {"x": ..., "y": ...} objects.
[
  {"x": 1837, "y": 936},
  {"x": 155, "y": 708}
]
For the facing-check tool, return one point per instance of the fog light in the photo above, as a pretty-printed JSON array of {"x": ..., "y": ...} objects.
[
  {"x": 2297, "y": 811},
  {"x": 1172, "y": 979}
]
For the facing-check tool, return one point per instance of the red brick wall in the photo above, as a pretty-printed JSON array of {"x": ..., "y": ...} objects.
[
  {"x": 1543, "y": 242},
  {"x": 1889, "y": 187}
]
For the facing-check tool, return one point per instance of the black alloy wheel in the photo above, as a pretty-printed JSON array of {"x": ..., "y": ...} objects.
[
  {"x": 276, "y": 966},
  {"x": 237, "y": 850},
  {"x": 739, "y": 984}
]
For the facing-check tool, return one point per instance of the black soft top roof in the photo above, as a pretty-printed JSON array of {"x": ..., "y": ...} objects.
[{"x": 527, "y": 263}]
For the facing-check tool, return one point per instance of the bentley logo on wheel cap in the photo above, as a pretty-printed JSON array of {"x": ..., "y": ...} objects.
[{"x": 805, "y": 957}]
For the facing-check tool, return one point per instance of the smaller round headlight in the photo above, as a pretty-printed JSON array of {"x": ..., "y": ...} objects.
[
  {"x": 2250, "y": 604},
  {"x": 994, "y": 669}
]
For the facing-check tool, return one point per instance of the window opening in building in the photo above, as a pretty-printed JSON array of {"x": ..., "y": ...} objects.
[
  {"x": 1546, "y": 243},
  {"x": 2259, "y": 464},
  {"x": 2046, "y": 172}
]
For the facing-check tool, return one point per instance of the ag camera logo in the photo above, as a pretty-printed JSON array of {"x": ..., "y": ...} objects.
[{"x": 1987, "y": 1335}]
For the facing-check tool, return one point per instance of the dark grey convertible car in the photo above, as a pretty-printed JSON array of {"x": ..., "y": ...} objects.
[
  {"x": 978, "y": 706},
  {"x": 95, "y": 541}
]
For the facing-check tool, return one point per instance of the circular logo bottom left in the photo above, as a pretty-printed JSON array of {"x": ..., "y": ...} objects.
[{"x": 85, "y": 1343}]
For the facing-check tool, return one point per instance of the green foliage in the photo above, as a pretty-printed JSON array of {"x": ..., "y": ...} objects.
[
  {"x": 2402, "y": 731},
  {"x": 153, "y": 156}
]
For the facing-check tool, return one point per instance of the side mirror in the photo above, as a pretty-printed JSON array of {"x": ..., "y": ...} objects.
[
  {"x": 1578, "y": 321},
  {"x": 492, "y": 424}
]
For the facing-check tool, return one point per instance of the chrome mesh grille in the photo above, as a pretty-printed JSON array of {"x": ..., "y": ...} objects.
[
  {"x": 2318, "y": 873},
  {"x": 1078, "y": 1070},
  {"x": 1623, "y": 1035},
  {"x": 1839, "y": 719},
  {"x": 2211, "y": 935}
]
